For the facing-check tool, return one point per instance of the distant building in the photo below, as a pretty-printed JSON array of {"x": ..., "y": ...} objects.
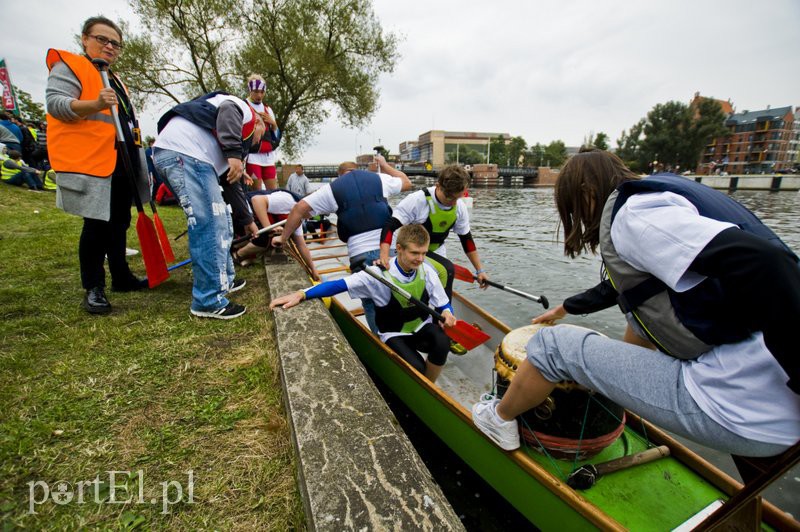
[
  {"x": 758, "y": 142},
  {"x": 436, "y": 145}
]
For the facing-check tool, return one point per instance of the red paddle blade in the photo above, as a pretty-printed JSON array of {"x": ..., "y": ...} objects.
[
  {"x": 154, "y": 263},
  {"x": 467, "y": 335},
  {"x": 162, "y": 237},
  {"x": 463, "y": 274}
]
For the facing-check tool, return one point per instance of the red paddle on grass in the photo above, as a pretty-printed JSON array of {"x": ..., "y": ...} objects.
[
  {"x": 154, "y": 263},
  {"x": 463, "y": 274},
  {"x": 463, "y": 333}
]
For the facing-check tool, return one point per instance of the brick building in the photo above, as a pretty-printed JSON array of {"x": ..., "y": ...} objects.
[{"x": 758, "y": 142}]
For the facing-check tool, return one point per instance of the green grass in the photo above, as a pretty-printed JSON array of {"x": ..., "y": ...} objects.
[{"x": 147, "y": 388}]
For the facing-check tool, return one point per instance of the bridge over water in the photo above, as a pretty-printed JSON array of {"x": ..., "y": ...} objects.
[{"x": 528, "y": 175}]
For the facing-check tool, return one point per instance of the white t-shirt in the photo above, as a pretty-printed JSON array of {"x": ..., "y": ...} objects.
[
  {"x": 322, "y": 201},
  {"x": 281, "y": 203},
  {"x": 415, "y": 209},
  {"x": 263, "y": 159},
  {"x": 737, "y": 385},
  {"x": 185, "y": 137},
  {"x": 362, "y": 285}
]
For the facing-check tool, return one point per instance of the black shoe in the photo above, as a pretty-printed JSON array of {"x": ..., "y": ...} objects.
[
  {"x": 131, "y": 284},
  {"x": 95, "y": 301}
]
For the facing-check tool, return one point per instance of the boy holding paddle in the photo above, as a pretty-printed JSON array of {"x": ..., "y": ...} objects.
[{"x": 403, "y": 326}]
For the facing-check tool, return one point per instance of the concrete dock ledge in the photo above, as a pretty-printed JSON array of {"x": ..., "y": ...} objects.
[{"x": 357, "y": 470}]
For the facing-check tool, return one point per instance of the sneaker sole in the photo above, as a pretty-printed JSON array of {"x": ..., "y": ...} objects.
[
  {"x": 237, "y": 288},
  {"x": 204, "y": 314}
]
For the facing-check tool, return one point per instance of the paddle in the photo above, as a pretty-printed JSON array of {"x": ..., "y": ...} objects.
[
  {"x": 463, "y": 333},
  {"x": 260, "y": 232},
  {"x": 463, "y": 274},
  {"x": 154, "y": 263},
  {"x": 169, "y": 256}
]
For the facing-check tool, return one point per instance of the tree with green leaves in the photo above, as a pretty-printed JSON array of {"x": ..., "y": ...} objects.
[
  {"x": 469, "y": 155},
  {"x": 555, "y": 154},
  {"x": 534, "y": 156},
  {"x": 601, "y": 141},
  {"x": 28, "y": 109},
  {"x": 515, "y": 150},
  {"x": 318, "y": 56},
  {"x": 498, "y": 153},
  {"x": 674, "y": 135},
  {"x": 628, "y": 146}
]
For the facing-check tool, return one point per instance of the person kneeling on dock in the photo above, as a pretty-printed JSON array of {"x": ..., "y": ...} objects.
[{"x": 404, "y": 327}]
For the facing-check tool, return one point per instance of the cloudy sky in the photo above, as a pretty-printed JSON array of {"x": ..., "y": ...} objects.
[{"x": 542, "y": 70}]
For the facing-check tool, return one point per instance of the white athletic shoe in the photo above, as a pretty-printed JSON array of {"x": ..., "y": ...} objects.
[
  {"x": 130, "y": 252},
  {"x": 504, "y": 433}
]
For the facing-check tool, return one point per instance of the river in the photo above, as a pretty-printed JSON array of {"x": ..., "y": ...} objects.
[{"x": 515, "y": 230}]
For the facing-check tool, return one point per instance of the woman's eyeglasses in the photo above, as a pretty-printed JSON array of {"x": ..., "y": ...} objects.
[{"x": 116, "y": 45}]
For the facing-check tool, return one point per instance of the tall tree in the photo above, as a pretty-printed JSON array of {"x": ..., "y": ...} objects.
[
  {"x": 628, "y": 145},
  {"x": 498, "y": 154},
  {"x": 555, "y": 153},
  {"x": 601, "y": 141},
  {"x": 668, "y": 133},
  {"x": 515, "y": 150},
  {"x": 534, "y": 156},
  {"x": 28, "y": 109},
  {"x": 319, "y": 56}
]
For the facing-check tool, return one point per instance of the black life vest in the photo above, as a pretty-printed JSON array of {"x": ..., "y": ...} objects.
[
  {"x": 361, "y": 204},
  {"x": 201, "y": 112}
]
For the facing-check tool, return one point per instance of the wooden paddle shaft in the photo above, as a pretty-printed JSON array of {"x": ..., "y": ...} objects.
[
  {"x": 632, "y": 460},
  {"x": 259, "y": 232}
]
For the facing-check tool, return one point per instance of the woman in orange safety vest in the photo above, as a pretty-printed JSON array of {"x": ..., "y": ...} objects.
[{"x": 81, "y": 147}]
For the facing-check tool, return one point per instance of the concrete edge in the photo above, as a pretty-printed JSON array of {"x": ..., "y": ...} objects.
[{"x": 357, "y": 470}]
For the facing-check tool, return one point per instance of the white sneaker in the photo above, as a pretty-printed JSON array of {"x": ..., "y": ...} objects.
[
  {"x": 504, "y": 433},
  {"x": 130, "y": 252},
  {"x": 228, "y": 312}
]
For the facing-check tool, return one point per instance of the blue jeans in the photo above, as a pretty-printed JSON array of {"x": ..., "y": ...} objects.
[
  {"x": 197, "y": 189},
  {"x": 29, "y": 178}
]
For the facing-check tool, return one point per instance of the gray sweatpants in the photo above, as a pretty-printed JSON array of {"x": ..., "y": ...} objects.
[{"x": 646, "y": 382}]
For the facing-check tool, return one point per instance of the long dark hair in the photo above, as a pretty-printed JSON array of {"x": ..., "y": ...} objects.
[{"x": 581, "y": 191}]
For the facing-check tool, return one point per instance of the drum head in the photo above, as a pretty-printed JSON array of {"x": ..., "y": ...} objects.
[{"x": 511, "y": 351}]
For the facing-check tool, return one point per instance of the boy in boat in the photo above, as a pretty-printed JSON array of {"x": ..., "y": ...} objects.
[
  {"x": 359, "y": 199},
  {"x": 439, "y": 210},
  {"x": 269, "y": 207},
  {"x": 404, "y": 327},
  {"x": 692, "y": 269}
]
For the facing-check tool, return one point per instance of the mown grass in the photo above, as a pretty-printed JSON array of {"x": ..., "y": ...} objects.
[{"x": 147, "y": 388}]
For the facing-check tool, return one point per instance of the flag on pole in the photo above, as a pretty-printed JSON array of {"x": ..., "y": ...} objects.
[{"x": 7, "y": 93}]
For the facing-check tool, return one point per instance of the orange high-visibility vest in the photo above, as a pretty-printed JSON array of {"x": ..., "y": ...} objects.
[{"x": 86, "y": 146}]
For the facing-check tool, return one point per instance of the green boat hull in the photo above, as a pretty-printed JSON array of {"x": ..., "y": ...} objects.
[{"x": 629, "y": 500}]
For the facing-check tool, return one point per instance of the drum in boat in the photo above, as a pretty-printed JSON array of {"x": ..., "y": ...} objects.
[{"x": 573, "y": 422}]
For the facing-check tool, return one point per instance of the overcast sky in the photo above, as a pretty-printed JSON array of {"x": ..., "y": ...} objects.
[{"x": 540, "y": 70}]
